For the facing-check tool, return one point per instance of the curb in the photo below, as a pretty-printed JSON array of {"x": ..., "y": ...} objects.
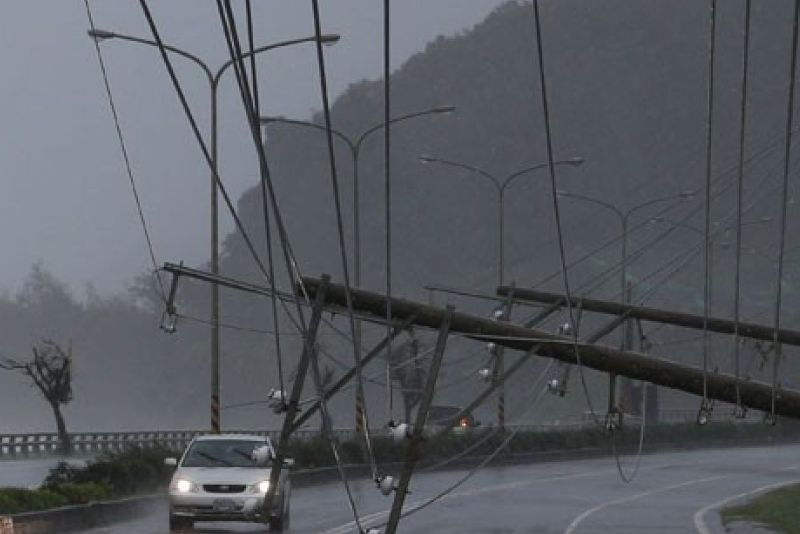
[
  {"x": 105, "y": 513},
  {"x": 77, "y": 517}
]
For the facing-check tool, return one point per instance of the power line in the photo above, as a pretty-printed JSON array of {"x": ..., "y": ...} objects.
[
  {"x": 125, "y": 157},
  {"x": 264, "y": 201},
  {"x": 340, "y": 228},
  {"x": 707, "y": 221},
  {"x": 784, "y": 205},
  {"x": 556, "y": 212},
  {"x": 483, "y": 463},
  {"x": 387, "y": 180},
  {"x": 760, "y": 154},
  {"x": 195, "y": 129},
  {"x": 739, "y": 195}
]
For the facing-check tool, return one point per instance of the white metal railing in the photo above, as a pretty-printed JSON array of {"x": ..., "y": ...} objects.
[
  {"x": 42, "y": 444},
  {"x": 90, "y": 443}
]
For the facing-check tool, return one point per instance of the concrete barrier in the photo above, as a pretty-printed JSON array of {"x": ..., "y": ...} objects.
[{"x": 76, "y": 518}]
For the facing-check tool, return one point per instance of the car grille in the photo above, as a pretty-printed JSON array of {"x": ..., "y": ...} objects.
[{"x": 224, "y": 488}]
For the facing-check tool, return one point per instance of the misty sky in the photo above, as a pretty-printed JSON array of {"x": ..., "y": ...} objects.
[{"x": 66, "y": 198}]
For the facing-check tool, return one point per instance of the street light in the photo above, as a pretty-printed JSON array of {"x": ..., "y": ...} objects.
[
  {"x": 624, "y": 216},
  {"x": 501, "y": 186},
  {"x": 213, "y": 81},
  {"x": 355, "y": 144}
]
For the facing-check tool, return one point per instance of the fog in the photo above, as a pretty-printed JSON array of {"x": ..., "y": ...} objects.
[
  {"x": 66, "y": 198},
  {"x": 628, "y": 95}
]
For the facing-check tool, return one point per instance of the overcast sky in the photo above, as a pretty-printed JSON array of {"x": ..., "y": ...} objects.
[{"x": 66, "y": 200}]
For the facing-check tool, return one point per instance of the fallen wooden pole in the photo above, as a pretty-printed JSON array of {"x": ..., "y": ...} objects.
[
  {"x": 687, "y": 320},
  {"x": 413, "y": 450},
  {"x": 666, "y": 373},
  {"x": 293, "y": 406}
]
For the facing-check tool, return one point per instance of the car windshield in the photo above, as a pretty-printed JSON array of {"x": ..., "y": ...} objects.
[{"x": 222, "y": 453}]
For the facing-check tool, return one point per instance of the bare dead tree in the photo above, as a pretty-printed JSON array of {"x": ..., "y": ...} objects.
[{"x": 50, "y": 370}]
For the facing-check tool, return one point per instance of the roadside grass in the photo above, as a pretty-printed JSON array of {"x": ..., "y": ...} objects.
[
  {"x": 778, "y": 510},
  {"x": 18, "y": 500},
  {"x": 137, "y": 471},
  {"x": 112, "y": 475}
]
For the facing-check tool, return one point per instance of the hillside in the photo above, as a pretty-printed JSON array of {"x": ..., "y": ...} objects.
[{"x": 627, "y": 87}]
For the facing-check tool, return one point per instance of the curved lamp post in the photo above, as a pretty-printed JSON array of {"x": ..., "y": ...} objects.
[
  {"x": 624, "y": 216},
  {"x": 355, "y": 144},
  {"x": 501, "y": 186},
  {"x": 213, "y": 78}
]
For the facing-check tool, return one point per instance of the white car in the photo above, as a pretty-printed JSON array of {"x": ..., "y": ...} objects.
[{"x": 225, "y": 478}]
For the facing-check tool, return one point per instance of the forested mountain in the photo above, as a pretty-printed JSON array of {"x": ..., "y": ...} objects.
[{"x": 627, "y": 89}]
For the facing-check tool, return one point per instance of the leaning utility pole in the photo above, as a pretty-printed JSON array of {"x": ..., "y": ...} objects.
[
  {"x": 687, "y": 320},
  {"x": 293, "y": 406},
  {"x": 415, "y": 440},
  {"x": 755, "y": 395}
]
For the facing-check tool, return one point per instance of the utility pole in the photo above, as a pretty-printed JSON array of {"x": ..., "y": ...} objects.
[
  {"x": 634, "y": 365},
  {"x": 354, "y": 144},
  {"x": 500, "y": 186},
  {"x": 293, "y": 406},
  {"x": 213, "y": 79},
  {"x": 644, "y": 313},
  {"x": 624, "y": 218},
  {"x": 413, "y": 449}
]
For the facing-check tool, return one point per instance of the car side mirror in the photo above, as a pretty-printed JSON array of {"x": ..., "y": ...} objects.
[{"x": 171, "y": 462}]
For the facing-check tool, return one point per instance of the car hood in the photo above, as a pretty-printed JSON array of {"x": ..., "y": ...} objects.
[{"x": 222, "y": 475}]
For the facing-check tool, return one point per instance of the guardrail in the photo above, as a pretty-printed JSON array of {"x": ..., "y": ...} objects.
[
  {"x": 13, "y": 446},
  {"x": 90, "y": 443}
]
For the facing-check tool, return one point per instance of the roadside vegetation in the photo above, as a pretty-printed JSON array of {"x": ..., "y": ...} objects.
[
  {"x": 113, "y": 475},
  {"x": 316, "y": 452},
  {"x": 778, "y": 510},
  {"x": 141, "y": 471}
]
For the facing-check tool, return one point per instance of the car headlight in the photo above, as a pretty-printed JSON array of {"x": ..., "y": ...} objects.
[
  {"x": 184, "y": 486},
  {"x": 260, "y": 487}
]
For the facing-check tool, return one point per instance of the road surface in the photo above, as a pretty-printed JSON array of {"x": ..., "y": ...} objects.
[{"x": 674, "y": 492}]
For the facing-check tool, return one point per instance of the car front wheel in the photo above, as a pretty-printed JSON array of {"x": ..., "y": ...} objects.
[{"x": 281, "y": 523}]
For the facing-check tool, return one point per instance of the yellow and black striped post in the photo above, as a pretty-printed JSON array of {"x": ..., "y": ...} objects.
[{"x": 215, "y": 414}]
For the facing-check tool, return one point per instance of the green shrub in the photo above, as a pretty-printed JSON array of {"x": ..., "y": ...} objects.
[
  {"x": 17, "y": 500},
  {"x": 82, "y": 493},
  {"x": 134, "y": 471}
]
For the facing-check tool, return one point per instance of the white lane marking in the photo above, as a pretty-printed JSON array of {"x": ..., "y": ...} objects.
[
  {"x": 699, "y": 516},
  {"x": 348, "y": 527},
  {"x": 577, "y": 521}
]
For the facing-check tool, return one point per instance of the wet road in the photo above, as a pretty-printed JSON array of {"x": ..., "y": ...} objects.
[{"x": 673, "y": 493}]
